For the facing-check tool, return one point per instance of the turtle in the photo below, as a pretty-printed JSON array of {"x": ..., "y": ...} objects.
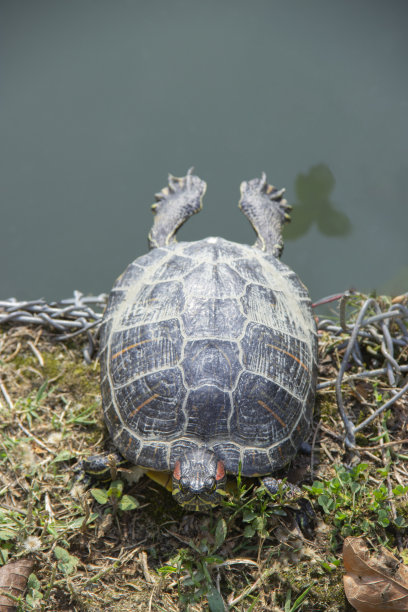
[{"x": 208, "y": 350}]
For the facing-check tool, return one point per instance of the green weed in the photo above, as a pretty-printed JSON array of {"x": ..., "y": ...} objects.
[
  {"x": 194, "y": 568},
  {"x": 254, "y": 506},
  {"x": 114, "y": 495},
  {"x": 354, "y": 506},
  {"x": 289, "y": 607}
]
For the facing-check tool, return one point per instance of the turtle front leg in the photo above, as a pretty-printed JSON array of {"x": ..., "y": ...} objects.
[
  {"x": 103, "y": 467},
  {"x": 175, "y": 204},
  {"x": 267, "y": 211},
  {"x": 305, "y": 516},
  {"x": 274, "y": 485}
]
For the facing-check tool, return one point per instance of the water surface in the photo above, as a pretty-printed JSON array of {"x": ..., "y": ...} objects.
[{"x": 100, "y": 99}]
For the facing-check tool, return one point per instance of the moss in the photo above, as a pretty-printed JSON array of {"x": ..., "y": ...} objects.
[
  {"x": 81, "y": 380},
  {"x": 24, "y": 360},
  {"x": 326, "y": 594},
  {"x": 402, "y": 510},
  {"x": 361, "y": 439},
  {"x": 329, "y": 594},
  {"x": 326, "y": 407}
]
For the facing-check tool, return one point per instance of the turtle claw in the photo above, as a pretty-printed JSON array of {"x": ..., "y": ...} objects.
[
  {"x": 305, "y": 518},
  {"x": 304, "y": 515},
  {"x": 267, "y": 211},
  {"x": 276, "y": 485},
  {"x": 175, "y": 204},
  {"x": 101, "y": 467}
]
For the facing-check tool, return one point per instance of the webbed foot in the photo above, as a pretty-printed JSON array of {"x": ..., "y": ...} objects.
[
  {"x": 267, "y": 210},
  {"x": 102, "y": 467},
  {"x": 304, "y": 515},
  {"x": 175, "y": 204},
  {"x": 275, "y": 485}
]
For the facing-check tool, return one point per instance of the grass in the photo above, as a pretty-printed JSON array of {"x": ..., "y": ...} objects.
[{"x": 120, "y": 546}]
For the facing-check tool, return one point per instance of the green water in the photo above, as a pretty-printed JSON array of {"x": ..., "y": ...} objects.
[{"x": 100, "y": 99}]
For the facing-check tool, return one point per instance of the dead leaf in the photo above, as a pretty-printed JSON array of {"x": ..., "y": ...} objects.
[
  {"x": 13, "y": 580},
  {"x": 374, "y": 582},
  {"x": 399, "y": 299}
]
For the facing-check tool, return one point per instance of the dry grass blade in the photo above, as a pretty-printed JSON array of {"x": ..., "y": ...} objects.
[
  {"x": 251, "y": 588},
  {"x": 150, "y": 579}
]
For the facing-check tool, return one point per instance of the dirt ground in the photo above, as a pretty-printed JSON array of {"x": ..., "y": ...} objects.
[{"x": 124, "y": 546}]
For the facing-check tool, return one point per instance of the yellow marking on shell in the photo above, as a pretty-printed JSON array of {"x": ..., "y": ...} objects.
[
  {"x": 290, "y": 355},
  {"x": 277, "y": 417},
  {"x": 149, "y": 399},
  {"x": 129, "y": 347},
  {"x": 227, "y": 358}
]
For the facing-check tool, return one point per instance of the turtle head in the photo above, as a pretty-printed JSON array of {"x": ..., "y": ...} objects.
[{"x": 198, "y": 479}]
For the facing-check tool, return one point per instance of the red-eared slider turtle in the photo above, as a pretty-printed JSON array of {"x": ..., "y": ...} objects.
[{"x": 208, "y": 350}]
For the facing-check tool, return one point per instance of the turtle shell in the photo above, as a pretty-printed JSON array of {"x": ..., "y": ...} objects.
[{"x": 213, "y": 344}]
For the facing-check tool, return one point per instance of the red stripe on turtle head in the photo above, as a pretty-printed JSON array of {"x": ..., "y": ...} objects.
[
  {"x": 220, "y": 471},
  {"x": 176, "y": 471}
]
